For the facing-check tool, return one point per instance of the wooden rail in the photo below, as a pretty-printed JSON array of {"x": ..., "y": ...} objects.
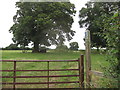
[{"x": 14, "y": 83}]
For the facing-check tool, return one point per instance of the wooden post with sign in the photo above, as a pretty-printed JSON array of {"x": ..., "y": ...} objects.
[{"x": 88, "y": 58}]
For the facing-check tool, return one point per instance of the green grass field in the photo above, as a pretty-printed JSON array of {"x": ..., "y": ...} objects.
[{"x": 98, "y": 60}]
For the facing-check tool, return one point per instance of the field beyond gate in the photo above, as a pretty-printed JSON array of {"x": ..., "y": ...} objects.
[{"x": 15, "y": 82}]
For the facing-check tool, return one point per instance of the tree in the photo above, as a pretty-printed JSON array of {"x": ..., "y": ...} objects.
[
  {"x": 61, "y": 48},
  {"x": 112, "y": 33},
  {"x": 89, "y": 18},
  {"x": 12, "y": 47},
  {"x": 74, "y": 46},
  {"x": 106, "y": 17},
  {"x": 109, "y": 21},
  {"x": 44, "y": 23}
]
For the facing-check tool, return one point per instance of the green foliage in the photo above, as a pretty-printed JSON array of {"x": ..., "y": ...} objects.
[
  {"x": 74, "y": 46},
  {"x": 112, "y": 33},
  {"x": 61, "y": 48},
  {"x": 103, "y": 20},
  {"x": 15, "y": 47},
  {"x": 12, "y": 47},
  {"x": 44, "y": 23},
  {"x": 91, "y": 18}
]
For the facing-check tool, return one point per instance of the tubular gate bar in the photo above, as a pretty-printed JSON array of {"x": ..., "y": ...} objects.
[{"x": 80, "y": 69}]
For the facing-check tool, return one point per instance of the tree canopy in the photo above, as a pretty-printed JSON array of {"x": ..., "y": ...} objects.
[
  {"x": 61, "y": 48},
  {"x": 103, "y": 21},
  {"x": 92, "y": 17},
  {"x": 112, "y": 36},
  {"x": 74, "y": 46},
  {"x": 43, "y": 23}
]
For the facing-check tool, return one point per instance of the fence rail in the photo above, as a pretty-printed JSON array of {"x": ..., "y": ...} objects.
[
  {"x": 38, "y": 60},
  {"x": 14, "y": 83},
  {"x": 41, "y": 70}
]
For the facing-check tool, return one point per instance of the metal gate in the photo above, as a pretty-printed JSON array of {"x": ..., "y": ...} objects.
[{"x": 14, "y": 83}]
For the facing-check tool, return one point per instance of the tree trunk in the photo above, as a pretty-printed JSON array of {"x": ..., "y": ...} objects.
[{"x": 36, "y": 47}]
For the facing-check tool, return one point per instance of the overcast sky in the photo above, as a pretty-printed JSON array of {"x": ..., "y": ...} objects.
[{"x": 8, "y": 10}]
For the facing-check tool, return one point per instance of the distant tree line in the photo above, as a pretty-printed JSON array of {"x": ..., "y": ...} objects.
[
  {"x": 73, "y": 46},
  {"x": 15, "y": 47}
]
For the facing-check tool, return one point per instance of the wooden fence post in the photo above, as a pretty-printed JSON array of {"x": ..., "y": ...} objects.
[
  {"x": 82, "y": 70},
  {"x": 88, "y": 58},
  {"x": 0, "y": 69},
  {"x": 48, "y": 74},
  {"x": 14, "y": 79}
]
